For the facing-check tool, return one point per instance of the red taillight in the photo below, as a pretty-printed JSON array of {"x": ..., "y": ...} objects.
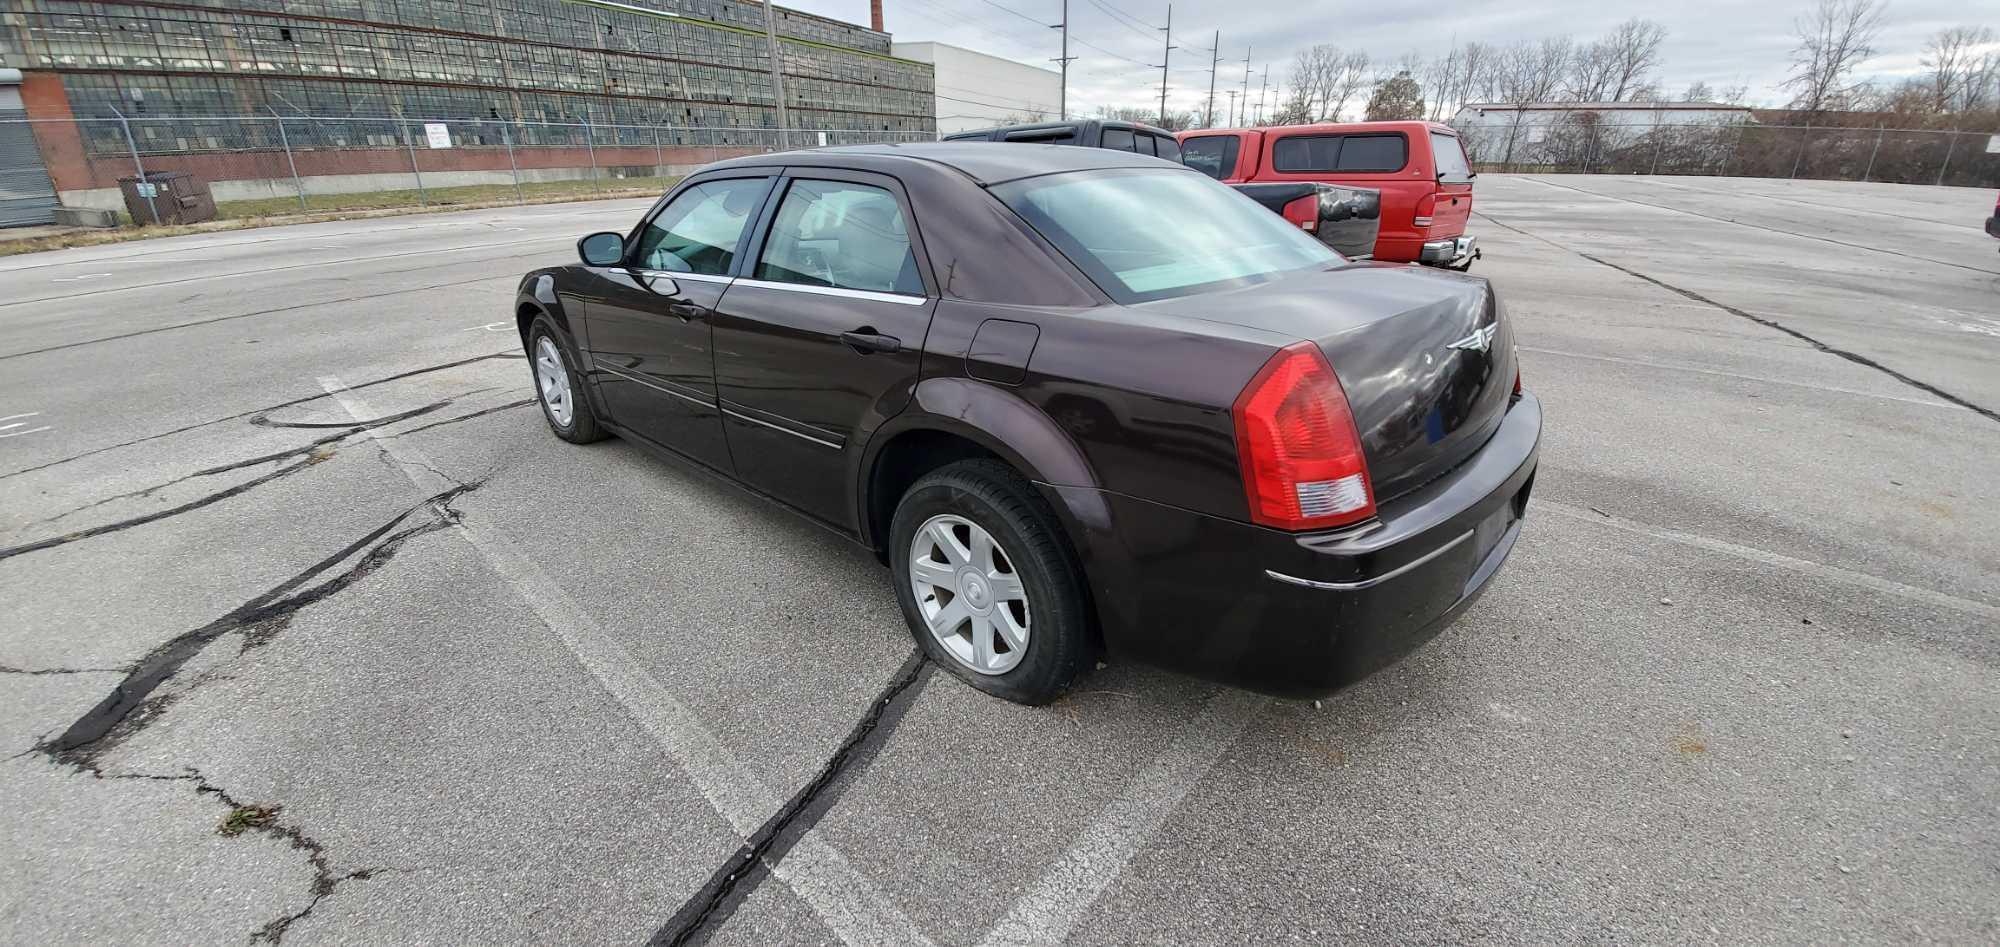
[
  {"x": 1304, "y": 212},
  {"x": 1426, "y": 209},
  {"x": 1295, "y": 436},
  {"x": 1517, "y": 383}
]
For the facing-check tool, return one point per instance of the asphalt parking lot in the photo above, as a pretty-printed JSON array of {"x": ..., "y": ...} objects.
[{"x": 402, "y": 667}]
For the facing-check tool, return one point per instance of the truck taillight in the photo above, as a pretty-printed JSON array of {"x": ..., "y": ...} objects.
[
  {"x": 1304, "y": 212},
  {"x": 1295, "y": 437},
  {"x": 1426, "y": 209}
]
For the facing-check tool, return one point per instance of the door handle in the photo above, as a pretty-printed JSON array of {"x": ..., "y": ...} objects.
[
  {"x": 688, "y": 312},
  {"x": 866, "y": 340}
]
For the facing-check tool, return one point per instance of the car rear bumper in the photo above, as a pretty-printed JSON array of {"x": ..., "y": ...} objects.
[
  {"x": 1302, "y": 615},
  {"x": 1456, "y": 251}
]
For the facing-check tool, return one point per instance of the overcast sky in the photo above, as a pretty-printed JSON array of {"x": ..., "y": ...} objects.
[{"x": 1717, "y": 41}]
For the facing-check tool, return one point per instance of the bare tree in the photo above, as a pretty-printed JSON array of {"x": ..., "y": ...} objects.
[
  {"x": 1441, "y": 81},
  {"x": 1592, "y": 72},
  {"x": 1698, "y": 92},
  {"x": 1315, "y": 74},
  {"x": 1634, "y": 51},
  {"x": 1733, "y": 95},
  {"x": 1528, "y": 71},
  {"x": 1350, "y": 78},
  {"x": 1834, "y": 37},
  {"x": 1959, "y": 67}
]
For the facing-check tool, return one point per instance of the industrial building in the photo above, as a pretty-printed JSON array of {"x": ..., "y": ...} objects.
[{"x": 670, "y": 71}]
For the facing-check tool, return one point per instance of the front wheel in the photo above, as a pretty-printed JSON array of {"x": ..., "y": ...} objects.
[
  {"x": 988, "y": 584},
  {"x": 558, "y": 386}
]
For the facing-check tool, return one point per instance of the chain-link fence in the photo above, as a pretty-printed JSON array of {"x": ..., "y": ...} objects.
[
  {"x": 289, "y": 163},
  {"x": 1578, "y": 143}
]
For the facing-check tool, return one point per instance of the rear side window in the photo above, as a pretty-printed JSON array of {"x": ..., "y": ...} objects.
[
  {"x": 1373, "y": 153},
  {"x": 1451, "y": 164},
  {"x": 833, "y": 233},
  {"x": 1213, "y": 155},
  {"x": 1118, "y": 139},
  {"x": 1145, "y": 143},
  {"x": 1169, "y": 149},
  {"x": 1354, "y": 153}
]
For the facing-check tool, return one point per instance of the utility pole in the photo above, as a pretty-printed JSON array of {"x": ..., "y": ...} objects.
[
  {"x": 777, "y": 75},
  {"x": 1062, "y": 98},
  {"x": 1232, "y": 106},
  {"x": 1246, "y": 85},
  {"x": 1165, "y": 58},
  {"x": 1215, "y": 59},
  {"x": 1262, "y": 87}
]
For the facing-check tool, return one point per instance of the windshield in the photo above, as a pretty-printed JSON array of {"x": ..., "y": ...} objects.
[{"x": 1143, "y": 235}]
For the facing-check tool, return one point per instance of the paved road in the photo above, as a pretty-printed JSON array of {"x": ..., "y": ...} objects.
[{"x": 402, "y": 667}]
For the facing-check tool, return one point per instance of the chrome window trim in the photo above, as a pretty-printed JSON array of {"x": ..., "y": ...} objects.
[
  {"x": 697, "y": 277},
  {"x": 657, "y": 386},
  {"x": 897, "y": 298},
  {"x": 739, "y": 415},
  {"x": 1372, "y": 581}
]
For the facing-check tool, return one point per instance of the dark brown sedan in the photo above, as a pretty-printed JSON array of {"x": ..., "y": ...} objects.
[{"x": 1080, "y": 401}]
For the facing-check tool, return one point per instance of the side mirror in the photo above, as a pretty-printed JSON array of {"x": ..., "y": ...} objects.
[{"x": 602, "y": 249}]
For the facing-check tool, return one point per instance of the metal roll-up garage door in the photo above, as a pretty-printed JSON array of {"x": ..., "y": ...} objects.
[{"x": 26, "y": 196}]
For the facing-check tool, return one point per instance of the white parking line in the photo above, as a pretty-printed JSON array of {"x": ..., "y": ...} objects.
[
  {"x": 1820, "y": 570},
  {"x": 1050, "y": 910},
  {"x": 493, "y": 327},
  {"x": 73, "y": 279},
  {"x": 853, "y": 907},
  {"x": 9, "y": 428}
]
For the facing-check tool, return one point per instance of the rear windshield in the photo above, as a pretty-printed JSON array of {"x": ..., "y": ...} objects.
[
  {"x": 1213, "y": 155},
  {"x": 1114, "y": 226},
  {"x": 1451, "y": 164},
  {"x": 1351, "y": 153}
]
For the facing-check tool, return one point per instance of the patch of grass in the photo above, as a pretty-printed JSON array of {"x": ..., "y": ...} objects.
[
  {"x": 245, "y": 818},
  {"x": 243, "y": 215},
  {"x": 479, "y": 194}
]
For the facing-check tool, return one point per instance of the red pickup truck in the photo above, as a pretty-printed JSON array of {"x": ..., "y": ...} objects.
[{"x": 1419, "y": 167}]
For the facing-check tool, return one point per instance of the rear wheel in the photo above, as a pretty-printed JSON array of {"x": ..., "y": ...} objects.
[
  {"x": 988, "y": 584},
  {"x": 558, "y": 386}
]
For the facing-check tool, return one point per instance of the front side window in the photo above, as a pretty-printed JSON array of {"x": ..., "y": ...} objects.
[
  {"x": 699, "y": 230},
  {"x": 1213, "y": 155},
  {"x": 1145, "y": 144},
  {"x": 1170, "y": 149},
  {"x": 1118, "y": 139},
  {"x": 1111, "y": 225},
  {"x": 840, "y": 234}
]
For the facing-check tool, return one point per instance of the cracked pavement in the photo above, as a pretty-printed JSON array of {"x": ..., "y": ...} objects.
[{"x": 313, "y": 633}]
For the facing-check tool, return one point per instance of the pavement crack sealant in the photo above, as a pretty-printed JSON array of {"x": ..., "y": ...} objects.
[
  {"x": 748, "y": 866},
  {"x": 132, "y": 705}
]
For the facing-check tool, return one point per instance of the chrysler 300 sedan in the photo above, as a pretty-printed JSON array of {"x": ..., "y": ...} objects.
[{"x": 1081, "y": 402}]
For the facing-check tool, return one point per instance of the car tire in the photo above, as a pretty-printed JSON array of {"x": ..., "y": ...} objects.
[
  {"x": 564, "y": 405},
  {"x": 1029, "y": 588}
]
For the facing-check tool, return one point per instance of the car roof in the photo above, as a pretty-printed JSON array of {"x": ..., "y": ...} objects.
[
  {"x": 1060, "y": 126},
  {"x": 991, "y": 162},
  {"x": 1325, "y": 127}
]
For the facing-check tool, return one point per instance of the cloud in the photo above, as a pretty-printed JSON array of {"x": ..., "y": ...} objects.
[{"x": 1721, "y": 42}]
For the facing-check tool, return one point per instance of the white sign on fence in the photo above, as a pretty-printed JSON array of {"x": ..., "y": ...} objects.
[
  {"x": 1993, "y": 144},
  {"x": 438, "y": 134}
]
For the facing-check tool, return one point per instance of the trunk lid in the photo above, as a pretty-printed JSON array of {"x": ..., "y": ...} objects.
[{"x": 1425, "y": 358}]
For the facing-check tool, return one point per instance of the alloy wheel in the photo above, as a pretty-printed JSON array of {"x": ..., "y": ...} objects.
[
  {"x": 972, "y": 600},
  {"x": 553, "y": 380}
]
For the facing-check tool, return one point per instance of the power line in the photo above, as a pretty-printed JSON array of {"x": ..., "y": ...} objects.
[{"x": 1113, "y": 14}]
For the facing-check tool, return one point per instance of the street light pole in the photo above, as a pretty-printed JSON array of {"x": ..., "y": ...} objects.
[
  {"x": 1165, "y": 58},
  {"x": 777, "y": 75},
  {"x": 1214, "y": 60},
  {"x": 1062, "y": 96}
]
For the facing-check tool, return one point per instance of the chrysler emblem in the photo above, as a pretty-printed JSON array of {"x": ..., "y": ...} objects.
[{"x": 1480, "y": 340}]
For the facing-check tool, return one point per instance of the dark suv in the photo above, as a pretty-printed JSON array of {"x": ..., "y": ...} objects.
[{"x": 1087, "y": 133}]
